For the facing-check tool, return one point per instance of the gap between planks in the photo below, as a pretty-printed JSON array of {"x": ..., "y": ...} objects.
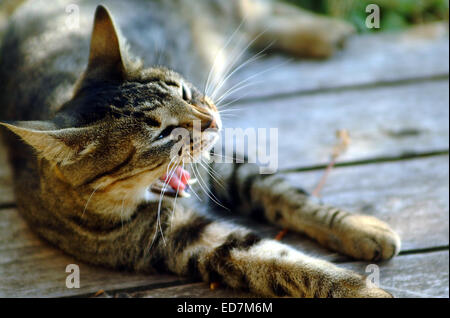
[
  {"x": 340, "y": 89},
  {"x": 375, "y": 160}
]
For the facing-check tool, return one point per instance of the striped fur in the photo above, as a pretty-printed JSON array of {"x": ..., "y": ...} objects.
[
  {"x": 93, "y": 127},
  {"x": 275, "y": 200}
]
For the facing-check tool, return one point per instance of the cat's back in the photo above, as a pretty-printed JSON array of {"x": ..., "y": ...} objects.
[
  {"x": 41, "y": 58},
  {"x": 45, "y": 48}
]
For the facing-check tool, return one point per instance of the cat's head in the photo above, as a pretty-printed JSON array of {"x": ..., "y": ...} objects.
[{"x": 117, "y": 132}]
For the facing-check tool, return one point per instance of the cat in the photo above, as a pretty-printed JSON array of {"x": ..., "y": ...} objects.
[{"x": 89, "y": 128}]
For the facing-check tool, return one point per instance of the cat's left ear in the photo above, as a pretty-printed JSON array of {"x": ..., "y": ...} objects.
[
  {"x": 105, "y": 58},
  {"x": 63, "y": 146}
]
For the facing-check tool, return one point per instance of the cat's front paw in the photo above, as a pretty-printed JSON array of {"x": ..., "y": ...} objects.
[
  {"x": 373, "y": 292},
  {"x": 366, "y": 292},
  {"x": 366, "y": 238},
  {"x": 342, "y": 283},
  {"x": 353, "y": 285}
]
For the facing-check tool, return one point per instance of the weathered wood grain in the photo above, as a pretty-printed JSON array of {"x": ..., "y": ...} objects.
[
  {"x": 194, "y": 290},
  {"x": 367, "y": 59},
  {"x": 416, "y": 275},
  {"x": 382, "y": 121},
  {"x": 31, "y": 268},
  {"x": 408, "y": 276},
  {"x": 6, "y": 192},
  {"x": 410, "y": 195}
]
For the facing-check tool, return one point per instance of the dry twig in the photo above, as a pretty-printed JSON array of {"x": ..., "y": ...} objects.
[{"x": 338, "y": 149}]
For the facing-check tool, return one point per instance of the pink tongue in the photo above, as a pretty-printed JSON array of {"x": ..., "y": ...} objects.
[{"x": 179, "y": 179}]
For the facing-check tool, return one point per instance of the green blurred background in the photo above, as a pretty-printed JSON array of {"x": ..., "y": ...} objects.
[{"x": 394, "y": 14}]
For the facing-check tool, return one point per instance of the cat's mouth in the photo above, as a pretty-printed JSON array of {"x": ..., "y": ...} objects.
[
  {"x": 178, "y": 181},
  {"x": 175, "y": 184},
  {"x": 196, "y": 146}
]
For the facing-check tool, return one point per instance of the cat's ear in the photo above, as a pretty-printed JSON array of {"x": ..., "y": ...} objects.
[
  {"x": 105, "y": 58},
  {"x": 63, "y": 146}
]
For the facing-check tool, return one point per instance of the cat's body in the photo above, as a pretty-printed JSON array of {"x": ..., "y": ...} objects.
[{"x": 100, "y": 138}]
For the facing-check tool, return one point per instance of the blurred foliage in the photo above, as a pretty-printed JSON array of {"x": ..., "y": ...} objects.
[{"x": 394, "y": 14}]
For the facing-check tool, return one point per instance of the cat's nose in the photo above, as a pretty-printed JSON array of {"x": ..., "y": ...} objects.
[
  {"x": 209, "y": 124},
  {"x": 210, "y": 119}
]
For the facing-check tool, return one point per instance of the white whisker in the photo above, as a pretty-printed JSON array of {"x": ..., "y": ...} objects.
[
  {"x": 213, "y": 174},
  {"x": 89, "y": 199},
  {"x": 254, "y": 58},
  {"x": 121, "y": 210},
  {"x": 235, "y": 58},
  {"x": 222, "y": 156},
  {"x": 206, "y": 190},
  {"x": 234, "y": 101},
  {"x": 158, "y": 220},
  {"x": 217, "y": 54},
  {"x": 224, "y": 80},
  {"x": 235, "y": 87},
  {"x": 192, "y": 188},
  {"x": 176, "y": 196}
]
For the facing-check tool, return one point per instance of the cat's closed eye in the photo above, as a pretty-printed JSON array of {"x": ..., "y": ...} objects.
[{"x": 185, "y": 91}]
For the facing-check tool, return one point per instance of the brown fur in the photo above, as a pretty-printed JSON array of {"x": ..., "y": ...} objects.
[{"x": 94, "y": 133}]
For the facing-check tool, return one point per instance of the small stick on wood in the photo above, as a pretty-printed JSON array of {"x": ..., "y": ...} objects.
[
  {"x": 99, "y": 292},
  {"x": 338, "y": 149},
  {"x": 281, "y": 234}
]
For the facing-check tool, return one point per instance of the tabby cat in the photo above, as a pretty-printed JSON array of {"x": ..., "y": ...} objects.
[{"x": 89, "y": 128}]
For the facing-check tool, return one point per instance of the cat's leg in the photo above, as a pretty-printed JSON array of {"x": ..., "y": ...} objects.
[
  {"x": 273, "y": 198},
  {"x": 185, "y": 242},
  {"x": 293, "y": 30},
  {"x": 215, "y": 251}
]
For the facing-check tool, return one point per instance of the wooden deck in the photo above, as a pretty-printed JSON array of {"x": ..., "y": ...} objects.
[{"x": 390, "y": 91}]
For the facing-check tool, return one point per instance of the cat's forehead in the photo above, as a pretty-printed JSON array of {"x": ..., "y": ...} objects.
[
  {"x": 150, "y": 90},
  {"x": 158, "y": 73},
  {"x": 152, "y": 93},
  {"x": 105, "y": 101},
  {"x": 138, "y": 94}
]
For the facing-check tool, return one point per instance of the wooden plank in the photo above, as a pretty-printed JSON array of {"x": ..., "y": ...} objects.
[
  {"x": 31, "y": 268},
  {"x": 6, "y": 191},
  {"x": 408, "y": 276},
  {"x": 416, "y": 275},
  {"x": 194, "y": 290},
  {"x": 382, "y": 121},
  {"x": 367, "y": 59},
  {"x": 411, "y": 195}
]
